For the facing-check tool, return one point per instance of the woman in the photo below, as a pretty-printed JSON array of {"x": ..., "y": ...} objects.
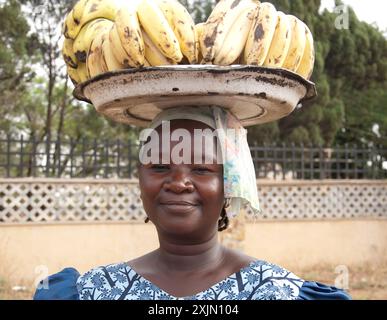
[{"x": 190, "y": 188}]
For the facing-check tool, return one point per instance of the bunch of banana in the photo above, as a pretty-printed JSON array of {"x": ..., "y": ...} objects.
[
  {"x": 254, "y": 33},
  {"x": 281, "y": 41},
  {"x": 221, "y": 41},
  {"x": 107, "y": 35}
]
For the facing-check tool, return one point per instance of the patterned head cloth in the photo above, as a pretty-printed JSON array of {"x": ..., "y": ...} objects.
[{"x": 240, "y": 185}]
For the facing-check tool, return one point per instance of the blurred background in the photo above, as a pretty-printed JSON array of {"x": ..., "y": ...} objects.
[{"x": 68, "y": 188}]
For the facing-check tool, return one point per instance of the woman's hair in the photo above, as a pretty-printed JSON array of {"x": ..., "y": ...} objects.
[{"x": 223, "y": 221}]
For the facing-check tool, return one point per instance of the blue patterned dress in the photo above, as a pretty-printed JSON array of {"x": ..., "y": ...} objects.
[{"x": 260, "y": 280}]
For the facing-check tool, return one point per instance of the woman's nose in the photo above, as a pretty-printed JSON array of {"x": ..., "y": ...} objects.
[{"x": 178, "y": 181}]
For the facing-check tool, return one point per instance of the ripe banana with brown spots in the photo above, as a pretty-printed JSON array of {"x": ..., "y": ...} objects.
[
  {"x": 307, "y": 62},
  {"x": 88, "y": 10},
  {"x": 68, "y": 53},
  {"x": 129, "y": 33},
  {"x": 261, "y": 35},
  {"x": 297, "y": 44},
  {"x": 218, "y": 25},
  {"x": 236, "y": 37},
  {"x": 156, "y": 26},
  {"x": 88, "y": 32},
  {"x": 95, "y": 61},
  {"x": 280, "y": 44},
  {"x": 183, "y": 27},
  {"x": 152, "y": 53}
]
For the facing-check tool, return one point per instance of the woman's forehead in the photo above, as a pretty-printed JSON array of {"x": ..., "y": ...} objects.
[{"x": 183, "y": 141}]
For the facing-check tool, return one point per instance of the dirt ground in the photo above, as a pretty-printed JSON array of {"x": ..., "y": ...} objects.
[{"x": 365, "y": 282}]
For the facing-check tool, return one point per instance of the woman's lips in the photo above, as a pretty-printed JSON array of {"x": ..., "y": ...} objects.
[{"x": 178, "y": 206}]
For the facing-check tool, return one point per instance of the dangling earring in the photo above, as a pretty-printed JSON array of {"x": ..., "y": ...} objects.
[
  {"x": 146, "y": 220},
  {"x": 227, "y": 202}
]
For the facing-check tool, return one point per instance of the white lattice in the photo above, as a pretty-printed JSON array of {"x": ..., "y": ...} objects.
[{"x": 77, "y": 200}]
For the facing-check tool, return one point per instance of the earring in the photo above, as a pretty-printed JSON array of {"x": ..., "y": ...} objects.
[{"x": 227, "y": 202}]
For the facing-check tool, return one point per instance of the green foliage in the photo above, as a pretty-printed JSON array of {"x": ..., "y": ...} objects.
[{"x": 350, "y": 75}]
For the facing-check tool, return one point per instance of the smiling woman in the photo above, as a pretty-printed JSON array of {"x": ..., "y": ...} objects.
[{"x": 189, "y": 200}]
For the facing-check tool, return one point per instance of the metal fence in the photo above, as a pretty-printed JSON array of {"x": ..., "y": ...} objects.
[{"x": 118, "y": 159}]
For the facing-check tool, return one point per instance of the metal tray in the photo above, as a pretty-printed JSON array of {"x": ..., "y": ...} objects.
[{"x": 254, "y": 94}]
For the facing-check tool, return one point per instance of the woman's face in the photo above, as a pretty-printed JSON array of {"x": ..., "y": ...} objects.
[{"x": 183, "y": 199}]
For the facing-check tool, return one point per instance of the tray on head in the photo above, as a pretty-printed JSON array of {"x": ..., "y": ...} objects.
[{"x": 254, "y": 94}]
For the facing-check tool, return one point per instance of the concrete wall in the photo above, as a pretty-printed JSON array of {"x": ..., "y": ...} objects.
[{"x": 292, "y": 244}]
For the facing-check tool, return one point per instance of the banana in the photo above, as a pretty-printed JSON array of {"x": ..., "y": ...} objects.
[
  {"x": 261, "y": 35},
  {"x": 88, "y": 32},
  {"x": 218, "y": 25},
  {"x": 183, "y": 27},
  {"x": 82, "y": 72},
  {"x": 68, "y": 53},
  {"x": 152, "y": 53},
  {"x": 108, "y": 55},
  {"x": 95, "y": 62},
  {"x": 297, "y": 44},
  {"x": 74, "y": 76},
  {"x": 236, "y": 37},
  {"x": 307, "y": 62},
  {"x": 92, "y": 9},
  {"x": 118, "y": 51},
  {"x": 79, "y": 74},
  {"x": 78, "y": 10},
  {"x": 69, "y": 25},
  {"x": 146, "y": 63},
  {"x": 129, "y": 32},
  {"x": 280, "y": 44},
  {"x": 198, "y": 34},
  {"x": 157, "y": 27}
]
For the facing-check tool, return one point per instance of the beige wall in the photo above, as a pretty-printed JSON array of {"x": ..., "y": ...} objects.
[{"x": 292, "y": 244}]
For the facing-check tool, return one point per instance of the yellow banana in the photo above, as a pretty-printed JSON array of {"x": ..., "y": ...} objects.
[
  {"x": 88, "y": 32},
  {"x": 152, "y": 53},
  {"x": 78, "y": 10},
  {"x": 307, "y": 62},
  {"x": 146, "y": 63},
  {"x": 236, "y": 37},
  {"x": 157, "y": 27},
  {"x": 261, "y": 35},
  {"x": 297, "y": 44},
  {"x": 68, "y": 53},
  {"x": 198, "y": 34},
  {"x": 218, "y": 25},
  {"x": 182, "y": 25},
  {"x": 92, "y": 9},
  {"x": 107, "y": 52},
  {"x": 79, "y": 74},
  {"x": 280, "y": 44},
  {"x": 69, "y": 25},
  {"x": 73, "y": 74},
  {"x": 82, "y": 72},
  {"x": 129, "y": 32},
  {"x": 95, "y": 62},
  {"x": 119, "y": 52}
]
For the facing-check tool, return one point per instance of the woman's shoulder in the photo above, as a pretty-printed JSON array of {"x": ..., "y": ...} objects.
[
  {"x": 312, "y": 290},
  {"x": 58, "y": 286},
  {"x": 279, "y": 283}
]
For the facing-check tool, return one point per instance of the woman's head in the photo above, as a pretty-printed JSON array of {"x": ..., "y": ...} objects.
[
  {"x": 183, "y": 197},
  {"x": 195, "y": 158}
]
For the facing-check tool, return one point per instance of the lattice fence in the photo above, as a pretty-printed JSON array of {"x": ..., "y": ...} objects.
[{"x": 83, "y": 200}]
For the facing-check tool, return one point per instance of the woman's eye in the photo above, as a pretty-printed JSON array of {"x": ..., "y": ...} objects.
[
  {"x": 159, "y": 168},
  {"x": 201, "y": 170}
]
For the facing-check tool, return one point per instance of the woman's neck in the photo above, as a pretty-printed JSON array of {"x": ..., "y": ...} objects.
[{"x": 203, "y": 256}]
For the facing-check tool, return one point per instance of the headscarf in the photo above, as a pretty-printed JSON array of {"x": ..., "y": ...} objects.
[{"x": 239, "y": 179}]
